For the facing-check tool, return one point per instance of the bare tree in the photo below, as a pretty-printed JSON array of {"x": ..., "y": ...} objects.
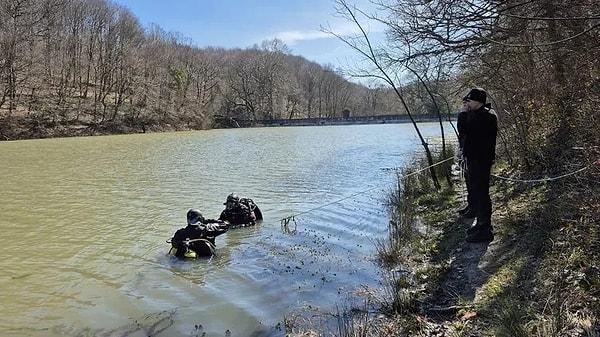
[
  {"x": 205, "y": 77},
  {"x": 18, "y": 21},
  {"x": 333, "y": 93},
  {"x": 522, "y": 52},
  {"x": 309, "y": 78},
  {"x": 129, "y": 40},
  {"x": 361, "y": 43}
]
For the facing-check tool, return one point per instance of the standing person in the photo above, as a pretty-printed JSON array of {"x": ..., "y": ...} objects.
[
  {"x": 198, "y": 237},
  {"x": 467, "y": 210},
  {"x": 479, "y": 151}
]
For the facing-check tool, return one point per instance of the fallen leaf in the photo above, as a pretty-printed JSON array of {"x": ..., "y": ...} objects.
[{"x": 468, "y": 315}]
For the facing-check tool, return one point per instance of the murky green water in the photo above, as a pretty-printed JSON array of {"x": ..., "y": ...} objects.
[{"x": 84, "y": 223}]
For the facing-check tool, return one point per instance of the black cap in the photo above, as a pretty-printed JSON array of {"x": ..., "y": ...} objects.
[{"x": 476, "y": 94}]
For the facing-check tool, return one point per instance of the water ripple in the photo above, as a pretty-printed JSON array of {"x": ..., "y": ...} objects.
[{"x": 88, "y": 219}]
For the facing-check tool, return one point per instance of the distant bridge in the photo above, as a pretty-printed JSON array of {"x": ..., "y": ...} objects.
[
  {"x": 382, "y": 119},
  {"x": 230, "y": 122}
]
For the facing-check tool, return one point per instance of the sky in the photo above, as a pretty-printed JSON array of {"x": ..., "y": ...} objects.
[{"x": 244, "y": 23}]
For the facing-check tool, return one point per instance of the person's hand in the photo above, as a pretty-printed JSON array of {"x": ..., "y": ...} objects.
[
  {"x": 458, "y": 156},
  {"x": 216, "y": 226},
  {"x": 464, "y": 107},
  {"x": 211, "y": 227}
]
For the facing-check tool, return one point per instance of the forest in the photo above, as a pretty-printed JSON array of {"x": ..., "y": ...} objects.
[{"x": 76, "y": 67}]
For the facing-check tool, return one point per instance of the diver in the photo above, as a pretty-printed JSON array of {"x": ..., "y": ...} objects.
[
  {"x": 198, "y": 237},
  {"x": 240, "y": 212}
]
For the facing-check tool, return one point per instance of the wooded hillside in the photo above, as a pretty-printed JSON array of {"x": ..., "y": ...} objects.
[{"x": 69, "y": 66}]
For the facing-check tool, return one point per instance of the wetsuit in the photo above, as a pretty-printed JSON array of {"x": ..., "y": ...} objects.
[
  {"x": 240, "y": 214},
  {"x": 198, "y": 238}
]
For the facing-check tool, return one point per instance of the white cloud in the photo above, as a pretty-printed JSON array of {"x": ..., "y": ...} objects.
[{"x": 292, "y": 37}]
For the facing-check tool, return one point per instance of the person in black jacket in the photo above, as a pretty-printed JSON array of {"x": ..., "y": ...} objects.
[
  {"x": 466, "y": 210},
  {"x": 198, "y": 237},
  {"x": 479, "y": 151}
]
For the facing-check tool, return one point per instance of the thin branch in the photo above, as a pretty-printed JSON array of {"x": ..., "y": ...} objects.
[{"x": 542, "y": 44}]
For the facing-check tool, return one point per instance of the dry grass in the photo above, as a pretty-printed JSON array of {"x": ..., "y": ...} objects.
[{"x": 541, "y": 274}]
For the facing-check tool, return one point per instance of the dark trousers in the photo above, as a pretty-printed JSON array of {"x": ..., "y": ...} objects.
[{"x": 478, "y": 188}]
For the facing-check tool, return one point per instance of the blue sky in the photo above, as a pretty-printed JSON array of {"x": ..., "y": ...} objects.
[{"x": 243, "y": 23}]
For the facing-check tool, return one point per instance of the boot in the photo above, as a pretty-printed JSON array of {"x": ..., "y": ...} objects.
[
  {"x": 480, "y": 224},
  {"x": 468, "y": 214},
  {"x": 474, "y": 228},
  {"x": 481, "y": 234}
]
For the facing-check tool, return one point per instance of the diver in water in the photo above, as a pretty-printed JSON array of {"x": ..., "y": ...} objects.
[
  {"x": 198, "y": 237},
  {"x": 240, "y": 212}
]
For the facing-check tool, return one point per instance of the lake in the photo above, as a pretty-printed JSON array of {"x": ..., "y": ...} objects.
[{"x": 85, "y": 223}]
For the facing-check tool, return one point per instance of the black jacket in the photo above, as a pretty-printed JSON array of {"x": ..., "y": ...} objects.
[
  {"x": 200, "y": 239},
  {"x": 242, "y": 214},
  {"x": 479, "y": 129},
  {"x": 461, "y": 122}
]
